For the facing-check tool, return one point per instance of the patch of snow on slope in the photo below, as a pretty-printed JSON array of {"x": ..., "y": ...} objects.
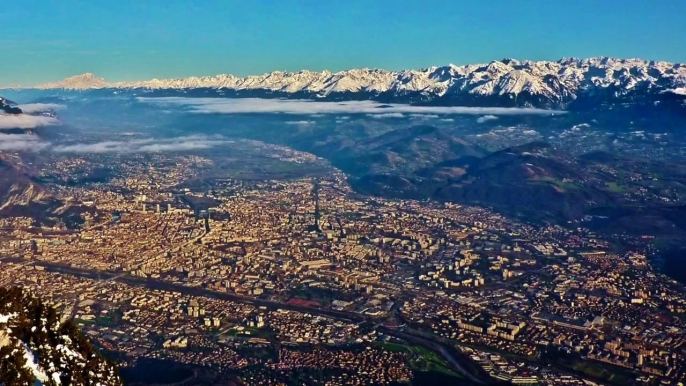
[{"x": 31, "y": 364}]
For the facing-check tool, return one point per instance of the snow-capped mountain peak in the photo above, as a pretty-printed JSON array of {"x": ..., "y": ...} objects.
[
  {"x": 541, "y": 83},
  {"x": 78, "y": 82}
]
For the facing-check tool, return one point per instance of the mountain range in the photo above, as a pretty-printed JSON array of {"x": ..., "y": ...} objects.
[
  {"x": 17, "y": 188},
  {"x": 533, "y": 181},
  {"x": 22, "y": 194},
  {"x": 508, "y": 82}
]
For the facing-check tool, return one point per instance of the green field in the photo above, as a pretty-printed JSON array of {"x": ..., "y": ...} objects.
[
  {"x": 428, "y": 361},
  {"x": 421, "y": 359},
  {"x": 392, "y": 347},
  {"x": 249, "y": 332},
  {"x": 615, "y": 188},
  {"x": 599, "y": 371}
]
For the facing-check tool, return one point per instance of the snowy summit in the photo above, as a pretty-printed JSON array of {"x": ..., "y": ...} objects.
[{"x": 542, "y": 83}]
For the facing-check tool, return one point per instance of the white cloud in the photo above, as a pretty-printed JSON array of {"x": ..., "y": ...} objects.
[
  {"x": 23, "y": 121},
  {"x": 386, "y": 115},
  {"x": 307, "y": 107},
  {"x": 147, "y": 145},
  {"x": 427, "y": 116},
  {"x": 38, "y": 107},
  {"x": 21, "y": 142},
  {"x": 178, "y": 146},
  {"x": 486, "y": 118},
  {"x": 448, "y": 120},
  {"x": 678, "y": 91},
  {"x": 300, "y": 123},
  {"x": 99, "y": 147},
  {"x": 530, "y": 132},
  {"x": 580, "y": 126}
]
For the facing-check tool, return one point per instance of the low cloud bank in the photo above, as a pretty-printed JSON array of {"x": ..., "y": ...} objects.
[
  {"x": 21, "y": 142},
  {"x": 148, "y": 145},
  {"x": 30, "y": 108},
  {"x": 387, "y": 115},
  {"x": 23, "y": 121},
  {"x": 29, "y": 142},
  {"x": 307, "y": 107},
  {"x": 300, "y": 123}
]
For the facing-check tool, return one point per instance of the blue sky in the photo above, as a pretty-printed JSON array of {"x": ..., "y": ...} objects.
[{"x": 43, "y": 40}]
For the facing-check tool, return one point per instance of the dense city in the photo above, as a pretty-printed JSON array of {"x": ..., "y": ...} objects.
[
  {"x": 264, "y": 281},
  {"x": 342, "y": 193}
]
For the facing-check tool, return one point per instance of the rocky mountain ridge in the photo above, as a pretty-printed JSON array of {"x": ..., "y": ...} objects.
[
  {"x": 17, "y": 188},
  {"x": 9, "y": 107}
]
